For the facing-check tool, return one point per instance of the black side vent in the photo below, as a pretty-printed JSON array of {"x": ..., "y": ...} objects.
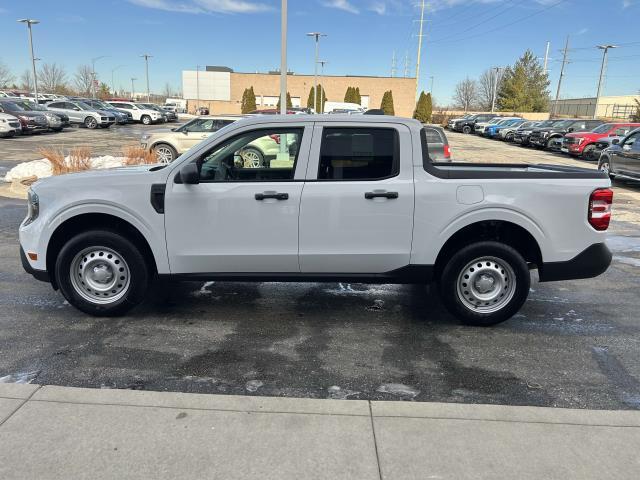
[{"x": 157, "y": 196}]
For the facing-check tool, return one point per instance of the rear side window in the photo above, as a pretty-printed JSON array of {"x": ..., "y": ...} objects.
[
  {"x": 433, "y": 135},
  {"x": 359, "y": 154}
]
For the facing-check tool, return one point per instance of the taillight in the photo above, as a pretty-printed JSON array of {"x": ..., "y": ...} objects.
[
  {"x": 600, "y": 208},
  {"x": 447, "y": 151},
  {"x": 275, "y": 138}
]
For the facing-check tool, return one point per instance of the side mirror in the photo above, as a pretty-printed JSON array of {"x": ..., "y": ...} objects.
[
  {"x": 570, "y": 129},
  {"x": 174, "y": 129},
  {"x": 615, "y": 141},
  {"x": 189, "y": 174},
  {"x": 77, "y": 109}
]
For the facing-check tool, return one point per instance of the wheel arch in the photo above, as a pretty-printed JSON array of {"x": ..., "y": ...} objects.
[
  {"x": 88, "y": 221},
  {"x": 502, "y": 231}
]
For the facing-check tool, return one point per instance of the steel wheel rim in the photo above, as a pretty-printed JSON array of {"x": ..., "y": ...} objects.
[
  {"x": 486, "y": 285},
  {"x": 164, "y": 154},
  {"x": 100, "y": 275},
  {"x": 252, "y": 157},
  {"x": 146, "y": 120}
]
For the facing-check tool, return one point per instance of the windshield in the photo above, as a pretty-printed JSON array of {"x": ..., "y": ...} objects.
[
  {"x": 563, "y": 124},
  {"x": 604, "y": 128},
  {"x": 13, "y": 107},
  {"x": 32, "y": 106},
  {"x": 151, "y": 106},
  {"x": 84, "y": 106}
]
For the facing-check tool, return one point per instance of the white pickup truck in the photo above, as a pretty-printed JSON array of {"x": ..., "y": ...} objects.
[{"x": 345, "y": 198}]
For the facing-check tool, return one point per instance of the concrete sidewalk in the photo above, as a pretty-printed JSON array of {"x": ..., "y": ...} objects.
[{"x": 69, "y": 433}]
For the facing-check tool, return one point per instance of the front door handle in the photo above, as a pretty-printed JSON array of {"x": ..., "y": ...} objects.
[
  {"x": 274, "y": 195},
  {"x": 371, "y": 195}
]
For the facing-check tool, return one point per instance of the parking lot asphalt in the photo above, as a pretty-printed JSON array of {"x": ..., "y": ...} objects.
[{"x": 574, "y": 344}]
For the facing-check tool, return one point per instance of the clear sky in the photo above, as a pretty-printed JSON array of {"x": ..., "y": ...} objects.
[{"x": 463, "y": 37}]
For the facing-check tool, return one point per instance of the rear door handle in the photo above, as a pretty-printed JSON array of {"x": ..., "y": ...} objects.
[
  {"x": 371, "y": 195},
  {"x": 274, "y": 195}
]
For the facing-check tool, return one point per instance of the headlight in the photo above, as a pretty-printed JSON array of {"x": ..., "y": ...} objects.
[{"x": 33, "y": 205}]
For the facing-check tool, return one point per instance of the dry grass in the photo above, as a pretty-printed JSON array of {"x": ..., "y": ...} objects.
[
  {"x": 79, "y": 159},
  {"x": 135, "y": 155}
]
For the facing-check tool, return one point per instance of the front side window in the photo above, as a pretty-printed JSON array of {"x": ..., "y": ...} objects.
[
  {"x": 199, "y": 125},
  {"x": 256, "y": 156},
  {"x": 359, "y": 154},
  {"x": 630, "y": 141}
]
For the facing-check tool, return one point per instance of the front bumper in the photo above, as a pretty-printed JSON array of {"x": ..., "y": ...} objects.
[
  {"x": 593, "y": 261},
  {"x": 41, "y": 275}
]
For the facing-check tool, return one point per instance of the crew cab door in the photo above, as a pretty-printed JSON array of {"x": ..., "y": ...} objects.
[
  {"x": 243, "y": 215},
  {"x": 627, "y": 158},
  {"x": 356, "y": 214}
]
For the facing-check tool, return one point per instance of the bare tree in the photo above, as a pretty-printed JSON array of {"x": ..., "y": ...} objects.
[
  {"x": 84, "y": 80},
  {"x": 488, "y": 88},
  {"x": 168, "y": 90},
  {"x": 26, "y": 80},
  {"x": 5, "y": 75},
  {"x": 52, "y": 78},
  {"x": 466, "y": 94}
]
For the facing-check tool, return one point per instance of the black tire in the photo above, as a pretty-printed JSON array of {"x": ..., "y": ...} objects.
[
  {"x": 604, "y": 165},
  {"x": 509, "y": 137},
  {"x": 138, "y": 273},
  {"x": 467, "y": 129},
  {"x": 507, "y": 301},
  {"x": 589, "y": 154},
  {"x": 146, "y": 120},
  {"x": 91, "y": 123},
  {"x": 549, "y": 143},
  {"x": 165, "y": 153}
]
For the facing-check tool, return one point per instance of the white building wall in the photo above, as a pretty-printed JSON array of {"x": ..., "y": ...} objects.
[{"x": 213, "y": 85}]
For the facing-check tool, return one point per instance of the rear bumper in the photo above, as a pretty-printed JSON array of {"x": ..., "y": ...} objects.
[
  {"x": 592, "y": 262},
  {"x": 41, "y": 275}
]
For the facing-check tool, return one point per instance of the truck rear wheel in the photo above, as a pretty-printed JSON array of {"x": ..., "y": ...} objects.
[
  {"x": 485, "y": 283},
  {"x": 102, "y": 273}
]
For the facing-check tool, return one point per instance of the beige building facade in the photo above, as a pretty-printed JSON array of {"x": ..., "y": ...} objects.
[
  {"x": 619, "y": 107},
  {"x": 221, "y": 90}
]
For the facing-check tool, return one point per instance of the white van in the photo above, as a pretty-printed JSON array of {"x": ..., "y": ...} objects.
[{"x": 343, "y": 107}]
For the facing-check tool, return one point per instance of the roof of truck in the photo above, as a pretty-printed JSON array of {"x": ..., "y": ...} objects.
[{"x": 358, "y": 119}]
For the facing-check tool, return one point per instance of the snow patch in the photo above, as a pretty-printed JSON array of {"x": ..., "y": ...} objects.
[
  {"x": 253, "y": 385},
  {"x": 42, "y": 168},
  {"x": 398, "y": 389},
  {"x": 23, "y": 377}
]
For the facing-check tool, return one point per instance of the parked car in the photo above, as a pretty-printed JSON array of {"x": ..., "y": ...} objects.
[
  {"x": 548, "y": 136},
  {"x": 83, "y": 114},
  {"x": 349, "y": 200},
  {"x": 508, "y": 133},
  {"x": 57, "y": 120},
  {"x": 122, "y": 118},
  {"x": 168, "y": 144},
  {"x": 468, "y": 124},
  {"x": 479, "y": 127},
  {"x": 492, "y": 130},
  {"x": 9, "y": 125},
  {"x": 584, "y": 143},
  {"x": 522, "y": 135},
  {"x": 604, "y": 143},
  {"x": 437, "y": 144},
  {"x": 146, "y": 116},
  {"x": 30, "y": 121},
  {"x": 452, "y": 121},
  {"x": 168, "y": 116},
  {"x": 622, "y": 159}
]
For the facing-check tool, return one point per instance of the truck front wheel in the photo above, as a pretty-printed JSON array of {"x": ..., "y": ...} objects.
[
  {"x": 485, "y": 283},
  {"x": 102, "y": 273}
]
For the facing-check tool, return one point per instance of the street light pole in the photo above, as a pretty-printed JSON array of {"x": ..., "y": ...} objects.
[
  {"x": 146, "y": 57},
  {"x": 283, "y": 60},
  {"x": 30, "y": 22},
  {"x": 322, "y": 64},
  {"x": 132, "y": 90},
  {"x": 602, "y": 70},
  {"x": 317, "y": 36},
  {"x": 495, "y": 89},
  {"x": 197, "y": 88},
  {"x": 113, "y": 84}
]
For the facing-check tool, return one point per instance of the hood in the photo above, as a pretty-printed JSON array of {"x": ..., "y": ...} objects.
[
  {"x": 107, "y": 177},
  {"x": 29, "y": 113},
  {"x": 589, "y": 135}
]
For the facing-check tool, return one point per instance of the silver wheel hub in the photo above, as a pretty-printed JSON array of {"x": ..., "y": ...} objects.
[
  {"x": 486, "y": 284},
  {"x": 100, "y": 275},
  {"x": 164, "y": 155},
  {"x": 251, "y": 159}
]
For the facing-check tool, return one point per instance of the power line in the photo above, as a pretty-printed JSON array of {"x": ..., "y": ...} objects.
[
  {"x": 506, "y": 25},
  {"x": 473, "y": 14}
]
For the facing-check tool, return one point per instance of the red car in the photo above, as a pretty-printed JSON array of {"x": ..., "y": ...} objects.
[{"x": 584, "y": 143}]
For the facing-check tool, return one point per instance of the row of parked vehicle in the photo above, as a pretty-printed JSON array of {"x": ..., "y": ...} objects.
[
  {"x": 20, "y": 115},
  {"x": 611, "y": 144}
]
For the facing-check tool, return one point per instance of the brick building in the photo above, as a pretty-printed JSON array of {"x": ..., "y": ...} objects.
[{"x": 220, "y": 89}]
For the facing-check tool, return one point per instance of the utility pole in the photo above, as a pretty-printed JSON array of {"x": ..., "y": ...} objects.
[
  {"x": 322, "y": 64},
  {"x": 393, "y": 64},
  {"x": 132, "y": 89},
  {"x": 495, "y": 89},
  {"x": 113, "y": 84},
  {"x": 564, "y": 63},
  {"x": 406, "y": 64},
  {"x": 283, "y": 63},
  {"x": 197, "y": 88},
  {"x": 546, "y": 58},
  {"x": 419, "y": 47},
  {"x": 146, "y": 57},
  {"x": 603, "y": 68},
  {"x": 317, "y": 36},
  {"x": 93, "y": 74},
  {"x": 30, "y": 22}
]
